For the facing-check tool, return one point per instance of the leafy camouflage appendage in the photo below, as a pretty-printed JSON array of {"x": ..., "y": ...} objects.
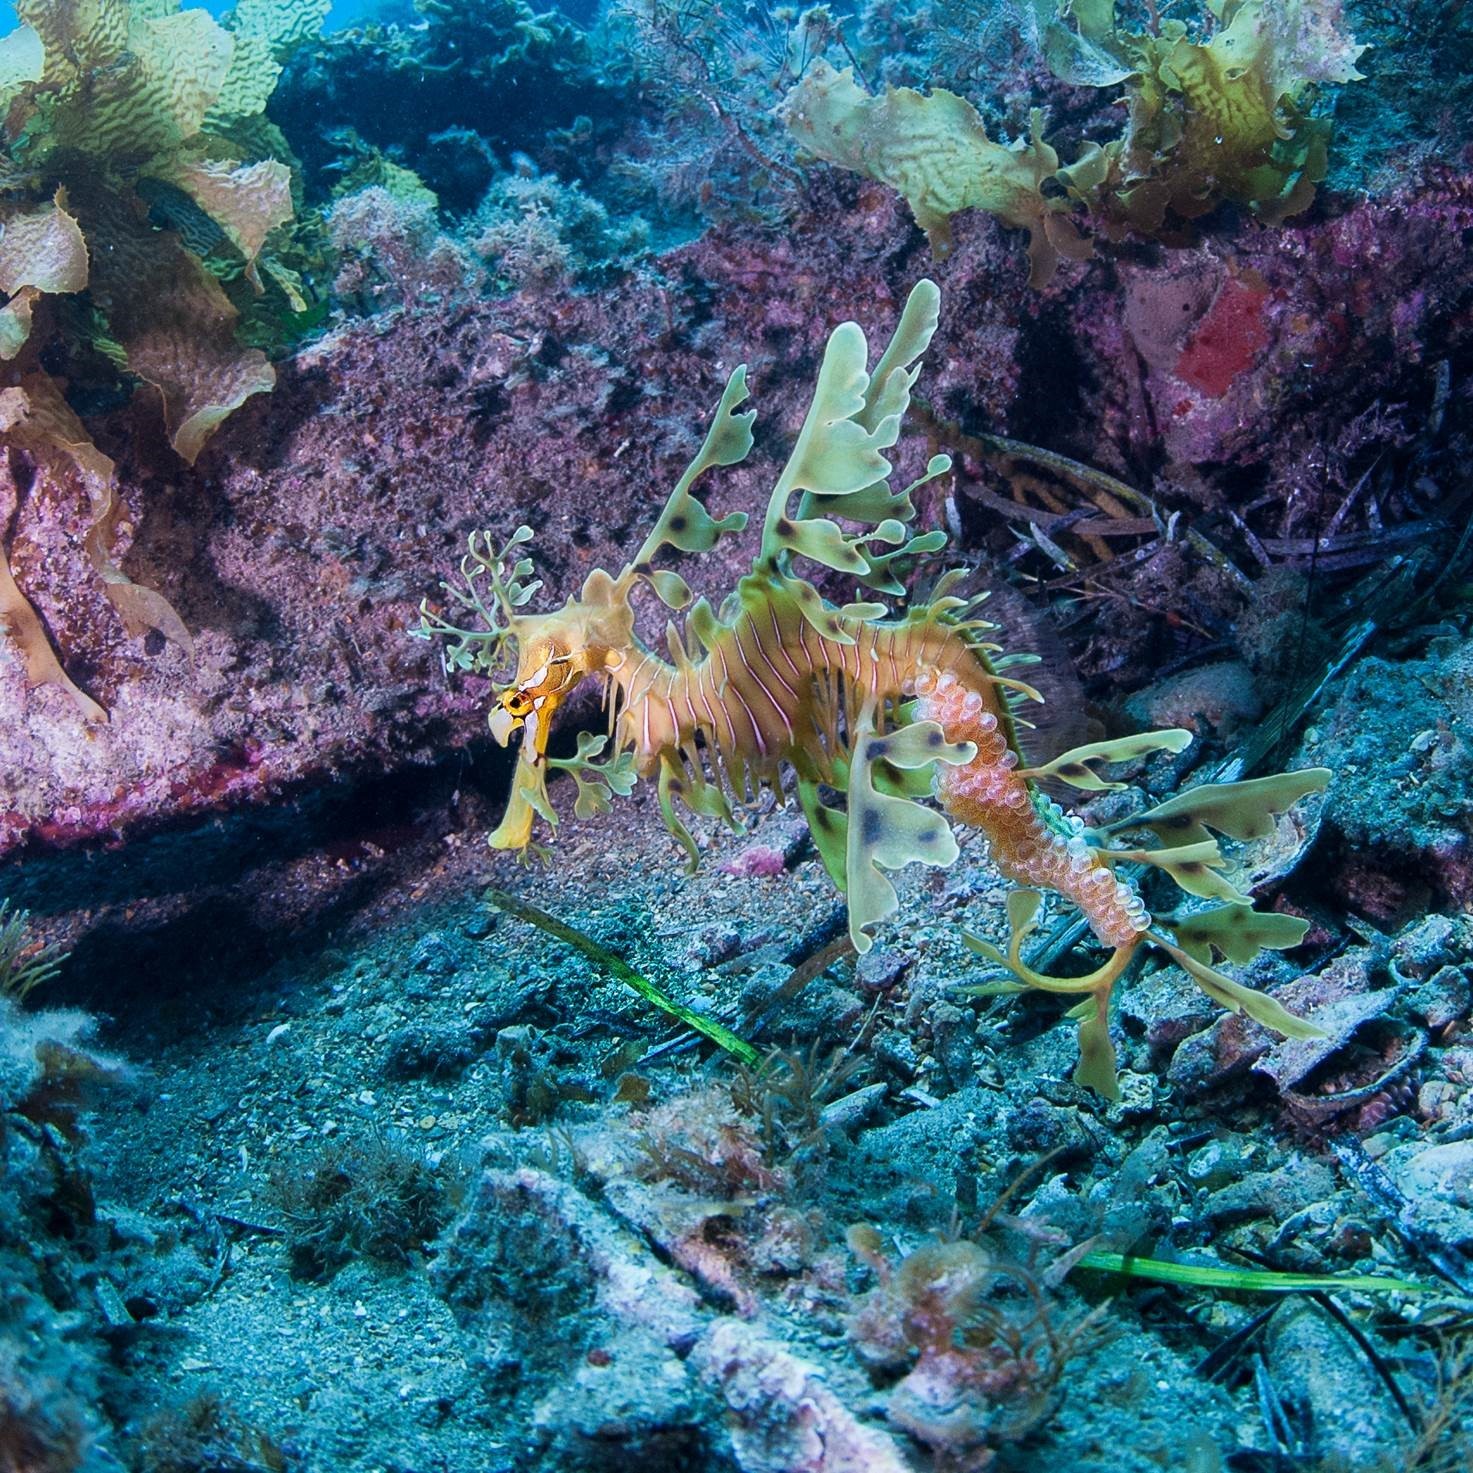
[
  {"x": 494, "y": 584},
  {"x": 838, "y": 466},
  {"x": 886, "y": 831},
  {"x": 685, "y": 524}
]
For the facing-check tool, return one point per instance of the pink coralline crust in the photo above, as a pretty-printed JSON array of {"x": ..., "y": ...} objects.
[
  {"x": 1225, "y": 343},
  {"x": 785, "y": 1416},
  {"x": 181, "y": 792},
  {"x": 758, "y": 862},
  {"x": 1388, "y": 884},
  {"x": 1354, "y": 305}
]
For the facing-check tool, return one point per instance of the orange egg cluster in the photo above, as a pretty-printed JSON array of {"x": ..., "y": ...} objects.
[{"x": 988, "y": 794}]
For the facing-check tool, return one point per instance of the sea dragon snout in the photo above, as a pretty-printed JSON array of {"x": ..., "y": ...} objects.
[
  {"x": 531, "y": 701},
  {"x": 557, "y": 651}
]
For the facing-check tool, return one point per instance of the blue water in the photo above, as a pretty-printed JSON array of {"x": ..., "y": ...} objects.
[{"x": 343, "y": 12}]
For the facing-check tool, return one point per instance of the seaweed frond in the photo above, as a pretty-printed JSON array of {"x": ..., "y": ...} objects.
[{"x": 26, "y": 963}]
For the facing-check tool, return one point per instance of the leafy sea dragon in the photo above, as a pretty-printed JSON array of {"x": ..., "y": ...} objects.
[{"x": 780, "y": 686}]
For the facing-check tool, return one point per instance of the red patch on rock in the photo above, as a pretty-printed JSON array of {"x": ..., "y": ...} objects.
[{"x": 1227, "y": 339}]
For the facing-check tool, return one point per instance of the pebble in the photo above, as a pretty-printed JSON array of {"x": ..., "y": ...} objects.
[
  {"x": 843, "y": 1115},
  {"x": 879, "y": 970},
  {"x": 1438, "y": 1183}
]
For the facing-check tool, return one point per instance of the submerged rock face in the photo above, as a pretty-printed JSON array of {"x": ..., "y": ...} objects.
[
  {"x": 299, "y": 547},
  {"x": 1402, "y": 818},
  {"x": 607, "y": 1357}
]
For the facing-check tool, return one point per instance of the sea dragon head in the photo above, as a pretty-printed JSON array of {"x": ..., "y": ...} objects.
[
  {"x": 553, "y": 653},
  {"x": 589, "y": 635}
]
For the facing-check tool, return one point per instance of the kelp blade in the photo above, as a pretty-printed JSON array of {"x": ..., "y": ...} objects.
[
  {"x": 718, "y": 1033},
  {"x": 1253, "y": 1280}
]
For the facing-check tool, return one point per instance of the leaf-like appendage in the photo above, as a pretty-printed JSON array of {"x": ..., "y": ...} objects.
[
  {"x": 494, "y": 584},
  {"x": 917, "y": 745},
  {"x": 880, "y": 572},
  {"x": 837, "y": 462},
  {"x": 673, "y": 785},
  {"x": 1077, "y": 766},
  {"x": 1023, "y": 911},
  {"x": 1194, "y": 868},
  {"x": 1238, "y": 998},
  {"x": 672, "y": 590},
  {"x": 528, "y": 801},
  {"x": 888, "y": 395},
  {"x": 834, "y": 454},
  {"x": 822, "y": 541},
  {"x": 890, "y": 831},
  {"x": 1097, "y": 1068},
  {"x": 1237, "y": 932},
  {"x": 685, "y": 523},
  {"x": 822, "y": 616},
  {"x": 984, "y": 948},
  {"x": 1243, "y": 810},
  {"x": 596, "y": 781},
  {"x": 829, "y": 829}
]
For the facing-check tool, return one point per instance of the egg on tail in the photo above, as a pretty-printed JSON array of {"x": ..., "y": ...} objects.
[{"x": 990, "y": 794}]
